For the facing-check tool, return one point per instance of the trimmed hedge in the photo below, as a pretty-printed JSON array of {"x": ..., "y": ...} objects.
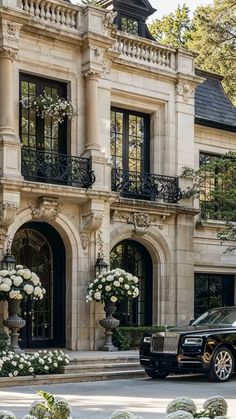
[
  {"x": 3, "y": 340},
  {"x": 128, "y": 337}
]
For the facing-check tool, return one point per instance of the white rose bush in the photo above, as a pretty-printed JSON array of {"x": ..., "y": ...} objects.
[
  {"x": 184, "y": 408},
  {"x": 20, "y": 283},
  {"x": 115, "y": 285},
  {"x": 35, "y": 363}
]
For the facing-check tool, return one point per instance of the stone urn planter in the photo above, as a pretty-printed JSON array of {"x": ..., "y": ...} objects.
[
  {"x": 14, "y": 323},
  {"x": 109, "y": 323}
]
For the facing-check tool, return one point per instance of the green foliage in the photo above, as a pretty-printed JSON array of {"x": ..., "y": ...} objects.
[
  {"x": 51, "y": 407},
  {"x": 174, "y": 29},
  {"x": 125, "y": 338},
  {"x": 3, "y": 340},
  {"x": 92, "y": 3},
  {"x": 214, "y": 184},
  {"x": 211, "y": 34}
]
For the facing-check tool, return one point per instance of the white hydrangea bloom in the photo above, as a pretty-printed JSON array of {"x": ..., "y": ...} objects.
[
  {"x": 113, "y": 299},
  {"x": 181, "y": 403},
  {"x": 4, "y": 287},
  {"x": 180, "y": 414},
  {"x": 28, "y": 289},
  {"x": 17, "y": 280},
  {"x": 216, "y": 405},
  {"x": 6, "y": 414}
]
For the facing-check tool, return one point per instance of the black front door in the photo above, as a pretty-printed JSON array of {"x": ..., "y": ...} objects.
[
  {"x": 135, "y": 259},
  {"x": 39, "y": 247}
]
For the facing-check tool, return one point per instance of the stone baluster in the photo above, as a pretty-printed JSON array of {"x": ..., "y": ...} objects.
[
  {"x": 48, "y": 13},
  {"x": 37, "y": 9},
  {"x": 68, "y": 18},
  {"x": 63, "y": 18},
  {"x": 31, "y": 10},
  {"x": 58, "y": 15},
  {"x": 73, "y": 19},
  {"x": 42, "y": 11},
  {"x": 53, "y": 14},
  {"x": 26, "y": 6}
]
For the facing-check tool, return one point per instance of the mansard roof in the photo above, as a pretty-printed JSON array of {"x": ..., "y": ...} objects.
[
  {"x": 212, "y": 106},
  {"x": 138, "y": 8}
]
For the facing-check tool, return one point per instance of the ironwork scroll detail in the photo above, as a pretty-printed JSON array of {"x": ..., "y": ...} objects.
[
  {"x": 56, "y": 168},
  {"x": 146, "y": 186}
]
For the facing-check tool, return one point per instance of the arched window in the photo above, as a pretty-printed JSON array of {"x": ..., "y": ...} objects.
[{"x": 134, "y": 258}]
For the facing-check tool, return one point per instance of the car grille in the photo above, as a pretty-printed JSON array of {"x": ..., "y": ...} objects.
[{"x": 165, "y": 344}]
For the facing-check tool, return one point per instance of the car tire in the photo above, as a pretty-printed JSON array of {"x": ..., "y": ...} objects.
[
  {"x": 222, "y": 365},
  {"x": 155, "y": 374}
]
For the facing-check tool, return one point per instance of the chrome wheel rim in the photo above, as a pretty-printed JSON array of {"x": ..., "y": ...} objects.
[{"x": 223, "y": 365}]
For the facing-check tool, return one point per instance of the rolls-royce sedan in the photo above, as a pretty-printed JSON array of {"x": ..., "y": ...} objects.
[{"x": 207, "y": 345}]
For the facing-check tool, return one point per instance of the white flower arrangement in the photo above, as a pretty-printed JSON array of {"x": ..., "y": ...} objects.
[
  {"x": 182, "y": 403},
  {"x": 6, "y": 414},
  {"x": 124, "y": 414},
  {"x": 184, "y": 408},
  {"x": 216, "y": 406},
  {"x": 20, "y": 283},
  {"x": 115, "y": 285},
  {"x": 36, "y": 363},
  {"x": 180, "y": 414},
  {"x": 46, "y": 105}
]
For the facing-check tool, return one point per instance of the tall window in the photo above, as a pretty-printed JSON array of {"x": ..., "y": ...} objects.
[
  {"x": 129, "y": 25},
  {"x": 210, "y": 207},
  {"x": 134, "y": 258},
  {"x": 42, "y": 134},
  {"x": 130, "y": 140},
  {"x": 212, "y": 290}
]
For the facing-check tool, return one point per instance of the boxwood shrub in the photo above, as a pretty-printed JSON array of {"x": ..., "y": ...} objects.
[
  {"x": 3, "y": 340},
  {"x": 128, "y": 337}
]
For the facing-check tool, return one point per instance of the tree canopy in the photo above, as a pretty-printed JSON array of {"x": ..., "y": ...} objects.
[{"x": 211, "y": 33}]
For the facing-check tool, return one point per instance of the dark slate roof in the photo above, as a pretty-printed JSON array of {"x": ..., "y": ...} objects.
[{"x": 212, "y": 106}]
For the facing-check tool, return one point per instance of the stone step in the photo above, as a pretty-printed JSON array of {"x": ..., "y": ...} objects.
[
  {"x": 70, "y": 378},
  {"x": 110, "y": 366},
  {"x": 103, "y": 360}
]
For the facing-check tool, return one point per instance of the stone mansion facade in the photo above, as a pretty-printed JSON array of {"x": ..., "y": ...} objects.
[{"x": 108, "y": 181}]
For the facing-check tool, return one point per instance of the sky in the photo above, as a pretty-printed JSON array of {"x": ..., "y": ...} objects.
[{"x": 165, "y": 7}]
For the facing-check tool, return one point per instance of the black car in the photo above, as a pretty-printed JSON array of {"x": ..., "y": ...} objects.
[{"x": 207, "y": 345}]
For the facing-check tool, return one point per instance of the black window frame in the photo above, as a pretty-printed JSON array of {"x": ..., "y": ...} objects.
[
  {"x": 41, "y": 83},
  {"x": 134, "y": 19},
  {"x": 125, "y": 138},
  {"x": 227, "y": 291}
]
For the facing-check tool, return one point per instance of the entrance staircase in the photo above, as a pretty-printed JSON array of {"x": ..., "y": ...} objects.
[
  {"x": 84, "y": 367},
  {"x": 100, "y": 366}
]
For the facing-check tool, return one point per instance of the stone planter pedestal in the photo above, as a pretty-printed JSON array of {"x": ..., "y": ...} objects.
[
  {"x": 109, "y": 323},
  {"x": 14, "y": 323}
]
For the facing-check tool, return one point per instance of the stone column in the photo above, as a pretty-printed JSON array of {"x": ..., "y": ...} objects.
[
  {"x": 92, "y": 115},
  {"x": 10, "y": 146},
  {"x": 6, "y": 93}
]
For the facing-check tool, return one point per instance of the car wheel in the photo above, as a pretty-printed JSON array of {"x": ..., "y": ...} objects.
[
  {"x": 222, "y": 365},
  {"x": 155, "y": 374}
]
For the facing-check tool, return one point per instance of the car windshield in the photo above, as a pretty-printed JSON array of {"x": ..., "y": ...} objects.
[{"x": 213, "y": 317}]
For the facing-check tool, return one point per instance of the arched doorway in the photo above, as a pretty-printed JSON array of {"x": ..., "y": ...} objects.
[
  {"x": 38, "y": 246},
  {"x": 133, "y": 257}
]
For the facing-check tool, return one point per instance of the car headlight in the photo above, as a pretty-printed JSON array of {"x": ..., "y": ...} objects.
[
  {"x": 193, "y": 341},
  {"x": 147, "y": 339}
]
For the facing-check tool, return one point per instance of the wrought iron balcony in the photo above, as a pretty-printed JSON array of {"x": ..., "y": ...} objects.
[
  {"x": 146, "y": 186},
  {"x": 56, "y": 168}
]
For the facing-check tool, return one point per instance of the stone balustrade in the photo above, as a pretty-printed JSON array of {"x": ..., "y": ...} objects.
[
  {"x": 53, "y": 12},
  {"x": 144, "y": 51}
]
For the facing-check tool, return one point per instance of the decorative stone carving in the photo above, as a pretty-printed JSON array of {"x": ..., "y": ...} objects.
[
  {"x": 84, "y": 237},
  {"x": 46, "y": 208},
  {"x": 106, "y": 67},
  {"x": 100, "y": 243},
  {"x": 92, "y": 74},
  {"x": 8, "y": 212},
  {"x": 9, "y": 38},
  {"x": 109, "y": 19},
  {"x": 186, "y": 90},
  {"x": 141, "y": 221},
  {"x": 92, "y": 221}
]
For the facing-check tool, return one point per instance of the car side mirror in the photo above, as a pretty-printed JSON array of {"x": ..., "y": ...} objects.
[{"x": 191, "y": 322}]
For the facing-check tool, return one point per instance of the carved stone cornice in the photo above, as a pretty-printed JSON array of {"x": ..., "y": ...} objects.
[
  {"x": 186, "y": 90},
  {"x": 46, "y": 208},
  {"x": 8, "y": 212},
  {"x": 141, "y": 221},
  {"x": 92, "y": 221},
  {"x": 9, "y": 38}
]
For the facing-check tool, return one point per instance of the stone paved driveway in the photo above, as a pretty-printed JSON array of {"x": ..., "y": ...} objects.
[{"x": 145, "y": 397}]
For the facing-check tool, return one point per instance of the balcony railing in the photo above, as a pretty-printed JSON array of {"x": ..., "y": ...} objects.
[
  {"x": 146, "y": 186},
  {"x": 143, "y": 51},
  {"x": 56, "y": 168}
]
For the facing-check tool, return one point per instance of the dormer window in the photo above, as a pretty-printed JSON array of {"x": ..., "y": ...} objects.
[{"x": 129, "y": 25}]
